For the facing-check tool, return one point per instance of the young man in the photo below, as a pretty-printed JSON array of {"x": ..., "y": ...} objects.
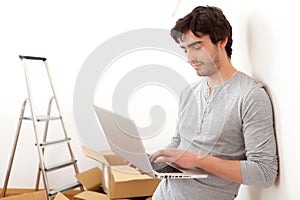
[{"x": 225, "y": 122}]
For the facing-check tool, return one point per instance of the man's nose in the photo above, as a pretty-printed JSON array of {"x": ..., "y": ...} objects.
[{"x": 190, "y": 57}]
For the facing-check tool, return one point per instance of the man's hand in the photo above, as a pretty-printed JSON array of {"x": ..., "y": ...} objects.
[
  {"x": 182, "y": 158},
  {"x": 133, "y": 166},
  {"x": 227, "y": 169}
]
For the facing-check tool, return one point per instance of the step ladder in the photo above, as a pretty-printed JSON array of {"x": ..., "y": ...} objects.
[{"x": 41, "y": 144}]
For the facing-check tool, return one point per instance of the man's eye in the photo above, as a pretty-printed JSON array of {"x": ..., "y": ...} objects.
[{"x": 197, "y": 47}]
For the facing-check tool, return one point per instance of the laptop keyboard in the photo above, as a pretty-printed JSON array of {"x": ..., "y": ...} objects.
[{"x": 164, "y": 168}]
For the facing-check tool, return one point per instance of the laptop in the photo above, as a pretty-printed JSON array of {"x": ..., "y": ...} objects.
[{"x": 124, "y": 139}]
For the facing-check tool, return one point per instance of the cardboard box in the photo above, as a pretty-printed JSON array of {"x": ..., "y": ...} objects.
[
  {"x": 91, "y": 181},
  {"x": 118, "y": 179},
  {"x": 39, "y": 195},
  {"x": 90, "y": 195},
  {"x": 60, "y": 196}
]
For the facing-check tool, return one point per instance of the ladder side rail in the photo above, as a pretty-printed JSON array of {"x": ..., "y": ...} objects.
[
  {"x": 59, "y": 111},
  {"x": 34, "y": 120},
  {"x": 76, "y": 169},
  {"x": 14, "y": 147}
]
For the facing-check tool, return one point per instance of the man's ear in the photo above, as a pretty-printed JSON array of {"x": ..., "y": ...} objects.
[{"x": 223, "y": 42}]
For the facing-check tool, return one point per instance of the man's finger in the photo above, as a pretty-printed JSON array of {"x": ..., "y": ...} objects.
[
  {"x": 157, "y": 154},
  {"x": 142, "y": 172},
  {"x": 131, "y": 165},
  {"x": 164, "y": 159}
]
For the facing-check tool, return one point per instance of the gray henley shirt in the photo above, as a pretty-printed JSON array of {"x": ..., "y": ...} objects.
[{"x": 234, "y": 123}]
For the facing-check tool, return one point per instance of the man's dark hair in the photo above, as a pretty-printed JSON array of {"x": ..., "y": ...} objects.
[{"x": 206, "y": 20}]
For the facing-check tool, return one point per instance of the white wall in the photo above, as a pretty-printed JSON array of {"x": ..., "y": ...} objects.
[{"x": 265, "y": 35}]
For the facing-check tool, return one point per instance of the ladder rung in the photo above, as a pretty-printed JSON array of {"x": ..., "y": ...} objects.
[
  {"x": 64, "y": 189},
  {"x": 44, "y": 144},
  {"x": 41, "y": 118},
  {"x": 60, "y": 165}
]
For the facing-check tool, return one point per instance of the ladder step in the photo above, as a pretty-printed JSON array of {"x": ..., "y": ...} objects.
[
  {"x": 44, "y": 144},
  {"x": 64, "y": 189},
  {"x": 60, "y": 165},
  {"x": 41, "y": 118}
]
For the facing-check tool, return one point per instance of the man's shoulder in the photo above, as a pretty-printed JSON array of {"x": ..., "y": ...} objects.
[
  {"x": 245, "y": 79},
  {"x": 247, "y": 86},
  {"x": 244, "y": 82}
]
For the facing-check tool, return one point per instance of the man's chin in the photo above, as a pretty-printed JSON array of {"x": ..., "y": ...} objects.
[{"x": 199, "y": 73}]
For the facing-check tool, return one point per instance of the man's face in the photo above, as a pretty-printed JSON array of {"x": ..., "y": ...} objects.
[{"x": 201, "y": 53}]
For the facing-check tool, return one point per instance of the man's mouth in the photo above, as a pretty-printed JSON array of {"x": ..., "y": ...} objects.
[{"x": 197, "y": 66}]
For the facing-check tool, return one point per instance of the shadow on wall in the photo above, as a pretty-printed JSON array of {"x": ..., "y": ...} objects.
[
  {"x": 260, "y": 47},
  {"x": 261, "y": 51}
]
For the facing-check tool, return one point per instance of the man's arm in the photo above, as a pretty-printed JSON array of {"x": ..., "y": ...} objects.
[
  {"x": 261, "y": 166},
  {"x": 227, "y": 169}
]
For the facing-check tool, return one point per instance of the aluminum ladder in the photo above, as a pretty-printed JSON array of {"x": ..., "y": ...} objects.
[{"x": 41, "y": 144}]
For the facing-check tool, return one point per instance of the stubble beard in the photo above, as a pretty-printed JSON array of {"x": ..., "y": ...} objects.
[{"x": 210, "y": 68}]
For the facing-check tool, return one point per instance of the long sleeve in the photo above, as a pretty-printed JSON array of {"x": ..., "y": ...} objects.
[{"x": 261, "y": 164}]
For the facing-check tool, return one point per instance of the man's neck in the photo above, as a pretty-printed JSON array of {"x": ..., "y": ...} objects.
[{"x": 224, "y": 73}]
